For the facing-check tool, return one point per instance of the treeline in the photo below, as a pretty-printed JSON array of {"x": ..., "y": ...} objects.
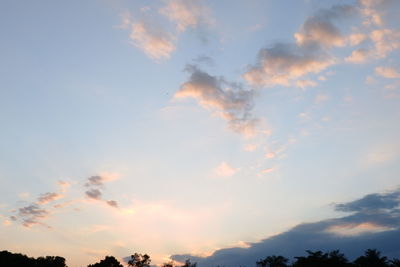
[{"x": 371, "y": 258}]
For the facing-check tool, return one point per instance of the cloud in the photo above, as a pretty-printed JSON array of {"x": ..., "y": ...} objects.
[
  {"x": 387, "y": 72},
  {"x": 283, "y": 64},
  {"x": 287, "y": 64},
  {"x": 372, "y": 203},
  {"x": 31, "y": 215},
  {"x": 385, "y": 41},
  {"x": 358, "y": 56},
  {"x": 186, "y": 14},
  {"x": 353, "y": 234},
  {"x": 354, "y": 229},
  {"x": 356, "y": 38},
  {"x": 319, "y": 29},
  {"x": 112, "y": 203},
  {"x": 93, "y": 193},
  {"x": 95, "y": 181},
  {"x": 48, "y": 197},
  {"x": 225, "y": 170},
  {"x": 155, "y": 39},
  {"x": 99, "y": 180},
  {"x": 32, "y": 210},
  {"x": 229, "y": 100},
  {"x": 155, "y": 42},
  {"x": 150, "y": 37}
]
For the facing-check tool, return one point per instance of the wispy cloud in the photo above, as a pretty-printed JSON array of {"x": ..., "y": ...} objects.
[
  {"x": 186, "y": 14},
  {"x": 155, "y": 38},
  {"x": 48, "y": 197},
  {"x": 150, "y": 37}
]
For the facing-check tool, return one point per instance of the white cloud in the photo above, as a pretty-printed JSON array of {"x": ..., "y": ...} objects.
[
  {"x": 387, "y": 72},
  {"x": 358, "y": 56},
  {"x": 225, "y": 170},
  {"x": 385, "y": 41}
]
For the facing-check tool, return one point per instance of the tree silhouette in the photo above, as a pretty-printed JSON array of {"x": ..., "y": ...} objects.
[
  {"x": 168, "y": 264},
  {"x": 109, "y": 261},
  {"x": 189, "y": 264},
  {"x": 318, "y": 259},
  {"x": 395, "y": 263},
  {"x": 139, "y": 260},
  {"x": 51, "y": 261},
  {"x": 371, "y": 258},
  {"x": 9, "y": 259},
  {"x": 273, "y": 261}
]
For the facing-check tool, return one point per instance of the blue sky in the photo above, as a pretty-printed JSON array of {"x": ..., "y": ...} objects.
[{"x": 183, "y": 127}]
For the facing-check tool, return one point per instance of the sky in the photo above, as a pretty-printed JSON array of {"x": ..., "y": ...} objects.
[{"x": 214, "y": 130}]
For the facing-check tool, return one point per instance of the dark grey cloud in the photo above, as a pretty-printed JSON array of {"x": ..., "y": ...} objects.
[
  {"x": 31, "y": 215},
  {"x": 93, "y": 193},
  {"x": 32, "y": 210},
  {"x": 353, "y": 234},
  {"x": 95, "y": 180},
  {"x": 372, "y": 203},
  {"x": 112, "y": 203},
  {"x": 230, "y": 100}
]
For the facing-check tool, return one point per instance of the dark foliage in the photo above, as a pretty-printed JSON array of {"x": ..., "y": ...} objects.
[
  {"x": 318, "y": 258},
  {"x": 109, "y": 261},
  {"x": 17, "y": 260},
  {"x": 371, "y": 258},
  {"x": 273, "y": 261},
  {"x": 139, "y": 260}
]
